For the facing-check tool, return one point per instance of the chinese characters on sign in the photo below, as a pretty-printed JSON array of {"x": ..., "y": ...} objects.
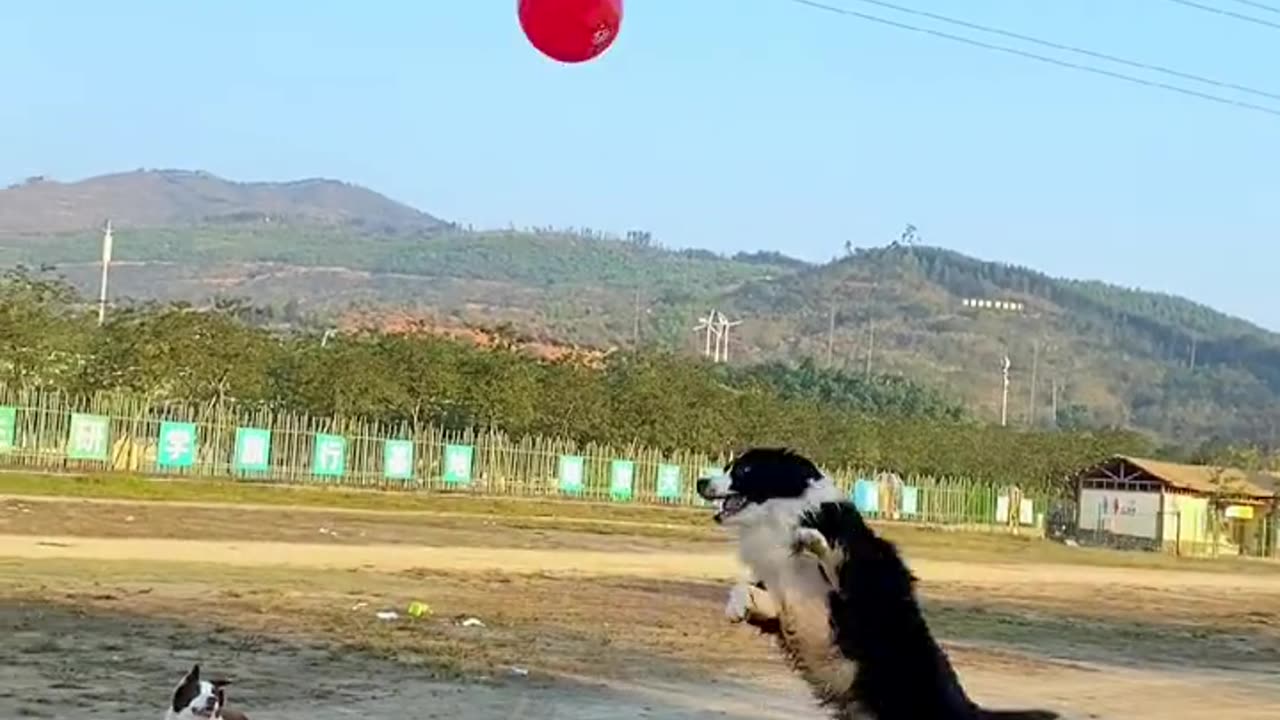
[
  {"x": 397, "y": 460},
  {"x": 457, "y": 464},
  {"x": 571, "y": 474},
  {"x": 329, "y": 456},
  {"x": 621, "y": 479},
  {"x": 668, "y": 482},
  {"x": 177, "y": 445},
  {"x": 89, "y": 437},
  {"x": 253, "y": 450}
]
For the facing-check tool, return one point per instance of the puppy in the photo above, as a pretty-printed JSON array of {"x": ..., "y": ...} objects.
[
  {"x": 196, "y": 699},
  {"x": 838, "y": 598}
]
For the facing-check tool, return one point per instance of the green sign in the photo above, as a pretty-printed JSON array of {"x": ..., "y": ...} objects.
[
  {"x": 397, "y": 460},
  {"x": 457, "y": 464},
  {"x": 8, "y": 428},
  {"x": 708, "y": 471},
  {"x": 89, "y": 438},
  {"x": 177, "y": 445},
  {"x": 669, "y": 482},
  {"x": 329, "y": 456},
  {"x": 253, "y": 450},
  {"x": 572, "y": 474},
  {"x": 622, "y": 474}
]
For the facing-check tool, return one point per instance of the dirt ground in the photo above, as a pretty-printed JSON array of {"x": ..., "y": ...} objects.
[{"x": 104, "y": 606}]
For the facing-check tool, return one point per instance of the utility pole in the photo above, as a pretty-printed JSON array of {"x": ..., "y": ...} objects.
[
  {"x": 1035, "y": 362},
  {"x": 107, "y": 243},
  {"x": 1191, "y": 363},
  {"x": 1004, "y": 392},
  {"x": 871, "y": 343},
  {"x": 831, "y": 335},
  {"x": 1053, "y": 394},
  {"x": 635, "y": 323}
]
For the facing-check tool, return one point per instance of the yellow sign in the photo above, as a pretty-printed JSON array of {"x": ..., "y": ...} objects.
[{"x": 1239, "y": 512}]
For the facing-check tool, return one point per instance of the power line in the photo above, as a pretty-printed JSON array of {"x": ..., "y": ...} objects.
[
  {"x": 1072, "y": 49},
  {"x": 1041, "y": 58},
  {"x": 1228, "y": 13},
  {"x": 1260, "y": 6}
]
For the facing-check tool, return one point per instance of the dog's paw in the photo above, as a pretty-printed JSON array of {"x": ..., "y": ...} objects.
[
  {"x": 808, "y": 540},
  {"x": 738, "y": 606}
]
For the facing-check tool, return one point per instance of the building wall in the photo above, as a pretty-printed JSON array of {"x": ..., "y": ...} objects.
[
  {"x": 1187, "y": 520},
  {"x": 1135, "y": 513}
]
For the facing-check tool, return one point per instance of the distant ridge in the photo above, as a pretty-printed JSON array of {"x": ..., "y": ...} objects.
[{"x": 167, "y": 198}]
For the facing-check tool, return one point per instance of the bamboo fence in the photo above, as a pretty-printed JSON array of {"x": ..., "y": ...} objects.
[{"x": 41, "y": 439}]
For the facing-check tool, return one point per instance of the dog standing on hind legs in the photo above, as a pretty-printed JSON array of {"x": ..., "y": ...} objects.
[{"x": 839, "y": 599}]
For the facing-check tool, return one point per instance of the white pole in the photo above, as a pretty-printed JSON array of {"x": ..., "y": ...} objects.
[
  {"x": 1004, "y": 392},
  {"x": 106, "y": 269}
]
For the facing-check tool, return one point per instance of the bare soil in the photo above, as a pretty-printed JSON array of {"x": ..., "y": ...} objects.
[{"x": 102, "y": 614}]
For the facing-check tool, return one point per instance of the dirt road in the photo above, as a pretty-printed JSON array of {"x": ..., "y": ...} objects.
[{"x": 705, "y": 565}]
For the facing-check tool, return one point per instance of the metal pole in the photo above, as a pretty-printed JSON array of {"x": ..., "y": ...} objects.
[
  {"x": 871, "y": 343},
  {"x": 107, "y": 242},
  {"x": 1004, "y": 392},
  {"x": 1031, "y": 405},
  {"x": 831, "y": 335}
]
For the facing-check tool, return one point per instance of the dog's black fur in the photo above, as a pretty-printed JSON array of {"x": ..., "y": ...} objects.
[
  {"x": 902, "y": 672},
  {"x": 899, "y": 672}
]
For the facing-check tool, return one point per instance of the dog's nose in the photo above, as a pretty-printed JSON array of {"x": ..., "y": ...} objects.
[{"x": 701, "y": 485}]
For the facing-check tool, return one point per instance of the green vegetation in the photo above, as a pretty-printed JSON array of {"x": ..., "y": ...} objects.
[
  {"x": 540, "y": 258},
  {"x": 1085, "y": 355},
  {"x": 1102, "y": 355},
  {"x": 174, "y": 357}
]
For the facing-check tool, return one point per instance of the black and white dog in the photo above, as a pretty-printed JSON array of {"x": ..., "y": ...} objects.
[
  {"x": 196, "y": 699},
  {"x": 839, "y": 599}
]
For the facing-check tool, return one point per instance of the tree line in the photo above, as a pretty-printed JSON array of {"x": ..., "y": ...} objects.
[{"x": 223, "y": 355}]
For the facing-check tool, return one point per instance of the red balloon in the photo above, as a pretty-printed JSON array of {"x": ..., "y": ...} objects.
[{"x": 571, "y": 31}]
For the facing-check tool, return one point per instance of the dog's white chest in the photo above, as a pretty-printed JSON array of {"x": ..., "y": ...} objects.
[{"x": 767, "y": 551}]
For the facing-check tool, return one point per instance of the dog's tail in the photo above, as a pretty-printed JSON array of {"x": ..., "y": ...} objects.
[{"x": 1018, "y": 715}]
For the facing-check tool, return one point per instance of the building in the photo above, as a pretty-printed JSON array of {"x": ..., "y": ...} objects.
[{"x": 1186, "y": 509}]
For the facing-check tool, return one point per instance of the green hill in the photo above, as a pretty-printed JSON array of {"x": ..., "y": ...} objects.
[{"x": 1100, "y": 355}]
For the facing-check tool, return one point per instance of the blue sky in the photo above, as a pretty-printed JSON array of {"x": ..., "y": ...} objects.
[{"x": 726, "y": 124}]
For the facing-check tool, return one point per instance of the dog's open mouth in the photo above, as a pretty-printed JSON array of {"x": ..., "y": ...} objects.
[{"x": 730, "y": 505}]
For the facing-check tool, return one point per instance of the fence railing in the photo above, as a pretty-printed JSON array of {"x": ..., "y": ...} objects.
[{"x": 51, "y": 431}]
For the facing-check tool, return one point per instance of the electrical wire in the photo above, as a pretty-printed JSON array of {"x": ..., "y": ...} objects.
[
  {"x": 1040, "y": 58},
  {"x": 1228, "y": 13},
  {"x": 1073, "y": 49},
  {"x": 1260, "y": 6}
]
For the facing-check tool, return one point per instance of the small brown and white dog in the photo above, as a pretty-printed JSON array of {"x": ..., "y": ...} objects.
[{"x": 196, "y": 699}]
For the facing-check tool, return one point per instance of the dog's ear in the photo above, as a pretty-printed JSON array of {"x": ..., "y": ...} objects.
[
  {"x": 187, "y": 690},
  {"x": 219, "y": 682}
]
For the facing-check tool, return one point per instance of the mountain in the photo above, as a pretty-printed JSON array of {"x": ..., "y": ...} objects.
[
  {"x": 1082, "y": 353},
  {"x": 166, "y": 198}
]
